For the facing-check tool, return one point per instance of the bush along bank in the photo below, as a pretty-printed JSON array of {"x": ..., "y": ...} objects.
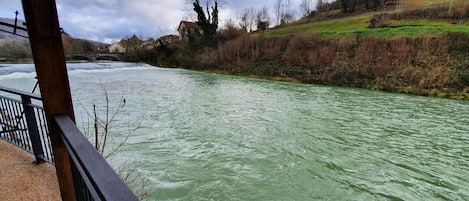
[{"x": 426, "y": 65}]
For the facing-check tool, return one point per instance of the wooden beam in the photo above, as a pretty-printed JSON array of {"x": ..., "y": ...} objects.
[{"x": 47, "y": 48}]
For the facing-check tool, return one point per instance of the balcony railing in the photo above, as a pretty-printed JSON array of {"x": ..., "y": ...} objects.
[{"x": 24, "y": 125}]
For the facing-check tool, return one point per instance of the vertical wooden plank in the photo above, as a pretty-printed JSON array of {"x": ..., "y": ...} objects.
[{"x": 49, "y": 58}]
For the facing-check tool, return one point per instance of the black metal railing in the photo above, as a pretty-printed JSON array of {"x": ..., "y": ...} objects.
[
  {"x": 24, "y": 124},
  {"x": 93, "y": 178}
]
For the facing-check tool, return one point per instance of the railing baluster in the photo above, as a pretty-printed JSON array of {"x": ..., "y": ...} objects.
[
  {"x": 33, "y": 130},
  {"x": 19, "y": 124},
  {"x": 44, "y": 134},
  {"x": 2, "y": 114},
  {"x": 10, "y": 122}
]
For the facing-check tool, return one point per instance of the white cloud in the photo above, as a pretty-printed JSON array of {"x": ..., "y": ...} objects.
[
  {"x": 8, "y": 8},
  {"x": 116, "y": 19},
  {"x": 107, "y": 2},
  {"x": 147, "y": 14}
]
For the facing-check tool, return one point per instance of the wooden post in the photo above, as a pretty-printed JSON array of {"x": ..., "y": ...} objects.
[{"x": 49, "y": 58}]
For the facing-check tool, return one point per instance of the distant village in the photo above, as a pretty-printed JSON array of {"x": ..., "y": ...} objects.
[
  {"x": 185, "y": 29},
  {"x": 16, "y": 49}
]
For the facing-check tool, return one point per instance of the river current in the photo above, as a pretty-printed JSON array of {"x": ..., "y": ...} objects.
[{"x": 202, "y": 136}]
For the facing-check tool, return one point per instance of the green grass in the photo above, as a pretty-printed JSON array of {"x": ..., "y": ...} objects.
[
  {"x": 419, "y": 22},
  {"x": 431, "y": 2},
  {"x": 411, "y": 31},
  {"x": 349, "y": 24},
  {"x": 359, "y": 25}
]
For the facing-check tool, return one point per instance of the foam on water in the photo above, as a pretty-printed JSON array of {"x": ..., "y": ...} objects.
[{"x": 6, "y": 69}]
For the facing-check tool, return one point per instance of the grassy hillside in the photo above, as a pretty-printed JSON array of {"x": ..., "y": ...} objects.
[
  {"x": 418, "y": 48},
  {"x": 421, "y": 48},
  {"x": 432, "y": 17}
]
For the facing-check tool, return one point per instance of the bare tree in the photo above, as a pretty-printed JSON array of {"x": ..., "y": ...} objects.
[
  {"x": 344, "y": 5},
  {"x": 189, "y": 6},
  {"x": 278, "y": 7},
  {"x": 306, "y": 7},
  {"x": 248, "y": 18},
  {"x": 287, "y": 14},
  {"x": 451, "y": 3},
  {"x": 243, "y": 20},
  {"x": 372, "y": 4},
  {"x": 320, "y": 6},
  {"x": 263, "y": 19},
  {"x": 230, "y": 24},
  {"x": 101, "y": 134},
  {"x": 103, "y": 124}
]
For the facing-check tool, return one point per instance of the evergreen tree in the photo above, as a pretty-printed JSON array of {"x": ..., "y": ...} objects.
[{"x": 208, "y": 22}]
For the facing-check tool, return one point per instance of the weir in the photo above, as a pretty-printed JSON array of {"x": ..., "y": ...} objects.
[{"x": 93, "y": 56}]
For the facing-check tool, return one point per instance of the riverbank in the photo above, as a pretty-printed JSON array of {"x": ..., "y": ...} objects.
[
  {"x": 425, "y": 65},
  {"x": 16, "y": 61},
  {"x": 420, "y": 49},
  {"x": 444, "y": 93}
]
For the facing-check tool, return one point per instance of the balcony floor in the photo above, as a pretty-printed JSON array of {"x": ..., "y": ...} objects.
[{"x": 20, "y": 179}]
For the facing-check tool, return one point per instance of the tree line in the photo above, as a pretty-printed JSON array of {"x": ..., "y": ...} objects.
[
  {"x": 409, "y": 65},
  {"x": 259, "y": 19}
]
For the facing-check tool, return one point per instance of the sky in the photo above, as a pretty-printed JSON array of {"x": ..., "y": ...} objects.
[{"x": 112, "y": 20}]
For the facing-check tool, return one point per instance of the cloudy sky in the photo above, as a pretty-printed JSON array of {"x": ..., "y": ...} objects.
[{"x": 107, "y": 20}]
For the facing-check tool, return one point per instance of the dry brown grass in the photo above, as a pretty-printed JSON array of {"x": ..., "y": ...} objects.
[
  {"x": 456, "y": 12},
  {"x": 413, "y": 65}
]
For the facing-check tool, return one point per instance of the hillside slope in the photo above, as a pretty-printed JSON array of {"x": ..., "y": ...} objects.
[
  {"x": 428, "y": 17},
  {"x": 421, "y": 48},
  {"x": 20, "y": 23}
]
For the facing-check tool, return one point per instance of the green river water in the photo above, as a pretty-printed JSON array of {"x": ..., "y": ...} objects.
[{"x": 216, "y": 137}]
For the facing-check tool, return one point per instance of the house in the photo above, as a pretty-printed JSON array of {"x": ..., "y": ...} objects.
[
  {"x": 130, "y": 44},
  {"x": 117, "y": 47},
  {"x": 133, "y": 43},
  {"x": 186, "y": 29},
  {"x": 149, "y": 44},
  {"x": 169, "y": 39}
]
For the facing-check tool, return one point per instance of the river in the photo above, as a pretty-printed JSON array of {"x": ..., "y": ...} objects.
[{"x": 206, "y": 136}]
